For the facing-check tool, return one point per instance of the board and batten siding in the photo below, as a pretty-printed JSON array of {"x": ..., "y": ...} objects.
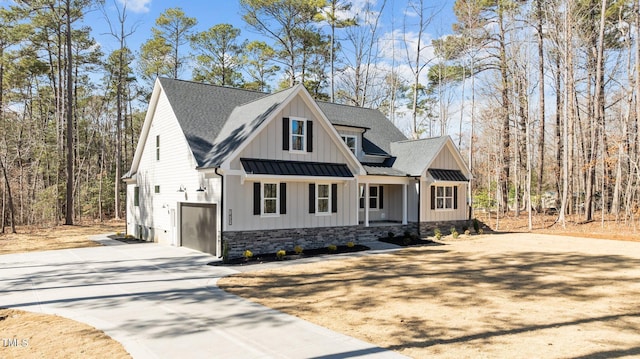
[
  {"x": 392, "y": 205},
  {"x": 268, "y": 144},
  {"x": 445, "y": 160},
  {"x": 176, "y": 168},
  {"x": 443, "y": 215},
  {"x": 239, "y": 202}
]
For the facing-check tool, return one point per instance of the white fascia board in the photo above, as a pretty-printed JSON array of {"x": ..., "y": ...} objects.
[
  {"x": 146, "y": 126},
  {"x": 385, "y": 179},
  {"x": 226, "y": 165},
  {"x": 456, "y": 155},
  {"x": 361, "y": 130}
]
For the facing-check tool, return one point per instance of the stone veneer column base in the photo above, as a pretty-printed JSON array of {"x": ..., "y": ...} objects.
[{"x": 271, "y": 241}]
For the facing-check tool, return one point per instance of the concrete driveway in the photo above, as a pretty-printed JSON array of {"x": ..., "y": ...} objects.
[{"x": 162, "y": 302}]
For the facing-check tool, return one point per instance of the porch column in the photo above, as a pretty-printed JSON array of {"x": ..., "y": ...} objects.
[
  {"x": 404, "y": 203},
  {"x": 366, "y": 204}
]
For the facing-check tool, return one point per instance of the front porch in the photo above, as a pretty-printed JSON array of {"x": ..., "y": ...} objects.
[{"x": 388, "y": 201}]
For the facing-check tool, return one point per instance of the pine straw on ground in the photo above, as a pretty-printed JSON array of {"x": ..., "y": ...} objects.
[
  {"x": 29, "y": 239},
  {"x": 34, "y": 335}
]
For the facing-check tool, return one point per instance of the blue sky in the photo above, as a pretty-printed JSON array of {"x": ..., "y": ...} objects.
[{"x": 143, "y": 13}]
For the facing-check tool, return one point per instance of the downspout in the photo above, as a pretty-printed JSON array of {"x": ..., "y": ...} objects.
[
  {"x": 419, "y": 200},
  {"x": 221, "y": 211}
]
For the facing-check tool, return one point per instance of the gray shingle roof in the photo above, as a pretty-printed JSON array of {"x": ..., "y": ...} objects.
[
  {"x": 412, "y": 157},
  {"x": 243, "y": 121},
  {"x": 380, "y": 170},
  {"x": 216, "y": 119},
  {"x": 380, "y": 131},
  {"x": 202, "y": 110}
]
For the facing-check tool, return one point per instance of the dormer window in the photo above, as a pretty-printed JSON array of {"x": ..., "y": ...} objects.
[
  {"x": 351, "y": 141},
  {"x": 298, "y": 130},
  {"x": 297, "y": 134}
]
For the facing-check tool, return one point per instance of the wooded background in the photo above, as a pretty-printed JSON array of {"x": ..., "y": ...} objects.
[{"x": 542, "y": 96}]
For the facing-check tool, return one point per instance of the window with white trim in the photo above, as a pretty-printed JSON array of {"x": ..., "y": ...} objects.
[
  {"x": 444, "y": 197},
  {"x": 270, "y": 199},
  {"x": 323, "y": 199},
  {"x": 298, "y": 131},
  {"x": 158, "y": 148},
  {"x": 136, "y": 196},
  {"x": 375, "y": 195},
  {"x": 351, "y": 141}
]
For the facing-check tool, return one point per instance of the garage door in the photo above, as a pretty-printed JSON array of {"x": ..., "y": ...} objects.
[{"x": 198, "y": 227}]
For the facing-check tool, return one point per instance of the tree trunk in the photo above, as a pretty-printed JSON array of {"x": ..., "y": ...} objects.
[
  {"x": 9, "y": 197},
  {"x": 541, "y": 104},
  {"x": 567, "y": 135},
  {"x": 69, "y": 118},
  {"x": 506, "y": 138}
]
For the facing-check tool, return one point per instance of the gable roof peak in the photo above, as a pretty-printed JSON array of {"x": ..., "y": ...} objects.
[
  {"x": 444, "y": 137},
  {"x": 169, "y": 79}
]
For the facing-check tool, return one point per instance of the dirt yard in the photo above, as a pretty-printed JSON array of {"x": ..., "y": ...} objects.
[
  {"x": 607, "y": 228},
  {"x": 33, "y": 335},
  {"x": 29, "y": 239},
  {"x": 491, "y": 296}
]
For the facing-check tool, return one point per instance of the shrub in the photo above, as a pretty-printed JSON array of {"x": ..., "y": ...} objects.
[
  {"x": 467, "y": 232},
  {"x": 332, "y": 248},
  {"x": 391, "y": 234},
  {"x": 297, "y": 249},
  {"x": 476, "y": 225},
  {"x": 350, "y": 244},
  {"x": 280, "y": 254},
  {"x": 455, "y": 234},
  {"x": 480, "y": 231},
  {"x": 129, "y": 236},
  {"x": 247, "y": 254},
  {"x": 406, "y": 240},
  {"x": 407, "y": 234},
  {"x": 437, "y": 233},
  {"x": 118, "y": 234}
]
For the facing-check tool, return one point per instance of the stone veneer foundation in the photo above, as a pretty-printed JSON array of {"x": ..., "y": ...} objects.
[{"x": 270, "y": 241}]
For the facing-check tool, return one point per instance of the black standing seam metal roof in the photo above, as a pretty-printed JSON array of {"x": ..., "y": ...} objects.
[
  {"x": 295, "y": 168},
  {"x": 447, "y": 175}
]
